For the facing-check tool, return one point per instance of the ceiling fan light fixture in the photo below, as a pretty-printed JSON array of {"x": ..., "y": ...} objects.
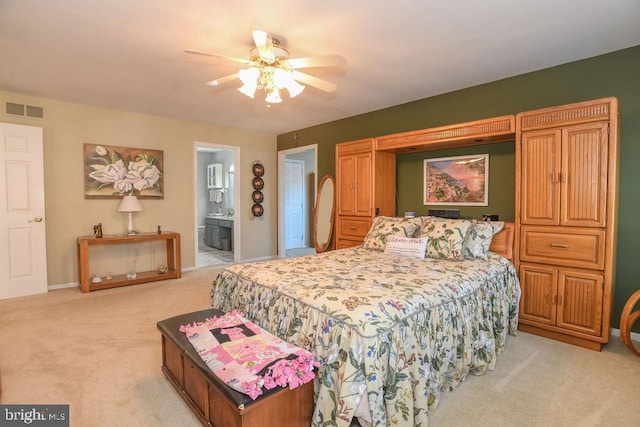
[
  {"x": 248, "y": 89},
  {"x": 249, "y": 76},
  {"x": 281, "y": 78},
  {"x": 294, "y": 88},
  {"x": 271, "y": 70},
  {"x": 273, "y": 96},
  {"x": 284, "y": 79}
]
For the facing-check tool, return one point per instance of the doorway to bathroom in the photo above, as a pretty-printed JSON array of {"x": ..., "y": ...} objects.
[{"x": 217, "y": 233}]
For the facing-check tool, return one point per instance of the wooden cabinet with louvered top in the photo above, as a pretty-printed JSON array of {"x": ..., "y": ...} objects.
[
  {"x": 566, "y": 163},
  {"x": 365, "y": 188}
]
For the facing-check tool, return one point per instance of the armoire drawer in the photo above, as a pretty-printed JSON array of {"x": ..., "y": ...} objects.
[
  {"x": 348, "y": 243},
  {"x": 570, "y": 246},
  {"x": 353, "y": 227}
]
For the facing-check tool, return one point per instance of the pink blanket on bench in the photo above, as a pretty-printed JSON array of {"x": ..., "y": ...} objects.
[{"x": 248, "y": 358}]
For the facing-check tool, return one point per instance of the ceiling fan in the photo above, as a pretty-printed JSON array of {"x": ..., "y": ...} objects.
[{"x": 271, "y": 69}]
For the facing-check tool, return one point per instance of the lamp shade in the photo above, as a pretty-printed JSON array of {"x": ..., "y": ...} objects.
[{"x": 130, "y": 204}]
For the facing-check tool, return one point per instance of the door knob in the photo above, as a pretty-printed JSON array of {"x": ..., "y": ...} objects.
[{"x": 36, "y": 219}]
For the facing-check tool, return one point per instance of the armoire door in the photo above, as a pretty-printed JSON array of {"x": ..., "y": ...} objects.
[
  {"x": 541, "y": 151},
  {"x": 580, "y": 296},
  {"x": 363, "y": 178},
  {"x": 584, "y": 175},
  {"x": 539, "y": 286},
  {"x": 345, "y": 172}
]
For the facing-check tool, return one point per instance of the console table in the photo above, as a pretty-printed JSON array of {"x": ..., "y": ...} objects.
[{"x": 173, "y": 260}]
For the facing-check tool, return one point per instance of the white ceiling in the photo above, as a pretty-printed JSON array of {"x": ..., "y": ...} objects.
[{"x": 128, "y": 54}]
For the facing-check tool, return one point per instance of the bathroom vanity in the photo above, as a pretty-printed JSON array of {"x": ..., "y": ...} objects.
[{"x": 219, "y": 232}]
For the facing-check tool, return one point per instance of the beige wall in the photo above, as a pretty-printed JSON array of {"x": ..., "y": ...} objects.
[{"x": 68, "y": 126}]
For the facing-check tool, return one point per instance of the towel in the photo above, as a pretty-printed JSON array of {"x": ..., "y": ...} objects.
[{"x": 215, "y": 196}]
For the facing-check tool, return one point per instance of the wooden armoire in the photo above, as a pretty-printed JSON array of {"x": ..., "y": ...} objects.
[
  {"x": 365, "y": 188},
  {"x": 566, "y": 202}
]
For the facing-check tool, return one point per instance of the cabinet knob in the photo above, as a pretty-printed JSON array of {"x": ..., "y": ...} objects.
[{"x": 560, "y": 245}]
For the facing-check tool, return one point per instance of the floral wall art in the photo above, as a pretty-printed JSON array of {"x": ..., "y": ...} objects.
[{"x": 113, "y": 172}]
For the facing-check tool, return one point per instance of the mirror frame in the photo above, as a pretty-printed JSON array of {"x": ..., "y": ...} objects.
[{"x": 325, "y": 246}]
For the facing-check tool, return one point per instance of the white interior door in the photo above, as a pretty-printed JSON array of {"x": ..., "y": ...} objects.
[
  {"x": 294, "y": 204},
  {"x": 23, "y": 256}
]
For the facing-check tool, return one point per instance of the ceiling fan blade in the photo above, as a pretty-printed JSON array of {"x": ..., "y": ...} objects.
[
  {"x": 215, "y": 55},
  {"x": 264, "y": 43},
  {"x": 221, "y": 80},
  {"x": 314, "y": 81},
  {"x": 317, "y": 61}
]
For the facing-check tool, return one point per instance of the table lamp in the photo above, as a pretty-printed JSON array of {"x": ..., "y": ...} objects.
[{"x": 130, "y": 204}]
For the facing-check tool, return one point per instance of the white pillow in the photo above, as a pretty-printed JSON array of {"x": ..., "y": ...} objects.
[{"x": 413, "y": 247}]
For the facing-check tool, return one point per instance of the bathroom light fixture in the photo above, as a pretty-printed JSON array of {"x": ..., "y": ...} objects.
[{"x": 130, "y": 204}]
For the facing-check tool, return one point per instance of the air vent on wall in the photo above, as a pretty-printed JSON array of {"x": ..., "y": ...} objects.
[{"x": 22, "y": 110}]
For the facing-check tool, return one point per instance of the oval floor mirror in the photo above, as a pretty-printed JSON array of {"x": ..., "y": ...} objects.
[{"x": 323, "y": 214}]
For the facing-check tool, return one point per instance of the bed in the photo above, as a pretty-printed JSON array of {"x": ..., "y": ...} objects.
[{"x": 392, "y": 330}]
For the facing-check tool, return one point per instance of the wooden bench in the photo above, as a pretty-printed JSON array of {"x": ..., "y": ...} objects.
[{"x": 215, "y": 403}]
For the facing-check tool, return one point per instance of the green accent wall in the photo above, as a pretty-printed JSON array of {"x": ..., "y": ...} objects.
[{"x": 614, "y": 74}]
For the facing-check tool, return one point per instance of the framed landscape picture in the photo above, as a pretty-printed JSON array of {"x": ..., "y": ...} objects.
[
  {"x": 111, "y": 172},
  {"x": 460, "y": 180}
]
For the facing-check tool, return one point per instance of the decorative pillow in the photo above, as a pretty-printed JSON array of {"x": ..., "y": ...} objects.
[
  {"x": 413, "y": 247},
  {"x": 446, "y": 237},
  {"x": 480, "y": 237},
  {"x": 384, "y": 226}
]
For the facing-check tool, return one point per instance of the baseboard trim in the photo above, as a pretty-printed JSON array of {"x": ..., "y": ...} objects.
[
  {"x": 634, "y": 335},
  {"x": 63, "y": 286},
  {"x": 264, "y": 258},
  {"x": 77, "y": 284}
]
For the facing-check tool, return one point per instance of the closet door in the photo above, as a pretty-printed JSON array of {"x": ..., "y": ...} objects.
[{"x": 541, "y": 151}]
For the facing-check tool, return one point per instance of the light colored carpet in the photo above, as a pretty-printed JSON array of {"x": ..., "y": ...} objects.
[
  {"x": 100, "y": 353},
  {"x": 541, "y": 382},
  {"x": 296, "y": 252}
]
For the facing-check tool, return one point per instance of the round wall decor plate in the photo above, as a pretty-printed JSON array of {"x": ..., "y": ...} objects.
[
  {"x": 257, "y": 210},
  {"x": 258, "y": 183},
  {"x": 258, "y": 169},
  {"x": 257, "y": 196}
]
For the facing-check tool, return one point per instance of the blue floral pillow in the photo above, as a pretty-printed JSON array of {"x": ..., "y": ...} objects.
[{"x": 385, "y": 226}]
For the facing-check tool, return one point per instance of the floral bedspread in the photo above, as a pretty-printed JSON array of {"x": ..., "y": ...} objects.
[{"x": 392, "y": 332}]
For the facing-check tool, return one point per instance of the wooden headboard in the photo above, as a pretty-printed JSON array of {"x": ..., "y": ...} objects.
[{"x": 502, "y": 243}]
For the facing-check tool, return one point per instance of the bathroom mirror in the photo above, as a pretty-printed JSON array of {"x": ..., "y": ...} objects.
[{"x": 323, "y": 214}]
